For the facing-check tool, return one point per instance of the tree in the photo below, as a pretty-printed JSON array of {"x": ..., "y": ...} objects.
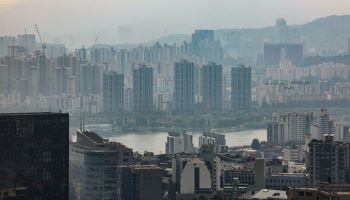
[{"x": 255, "y": 144}]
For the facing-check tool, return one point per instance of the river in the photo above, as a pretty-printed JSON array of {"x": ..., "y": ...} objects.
[{"x": 155, "y": 141}]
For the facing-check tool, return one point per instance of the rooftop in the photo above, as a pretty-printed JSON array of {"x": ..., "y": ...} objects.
[{"x": 270, "y": 194}]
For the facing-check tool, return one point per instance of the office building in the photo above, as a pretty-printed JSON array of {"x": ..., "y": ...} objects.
[
  {"x": 177, "y": 164},
  {"x": 139, "y": 182},
  {"x": 143, "y": 89},
  {"x": 195, "y": 177},
  {"x": 35, "y": 154},
  {"x": 282, "y": 181},
  {"x": 113, "y": 92},
  {"x": 183, "y": 86},
  {"x": 209, "y": 154},
  {"x": 178, "y": 143},
  {"x": 241, "y": 86},
  {"x": 212, "y": 87},
  {"x": 93, "y": 163},
  {"x": 328, "y": 161}
]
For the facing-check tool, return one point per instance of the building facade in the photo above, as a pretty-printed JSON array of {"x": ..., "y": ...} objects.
[
  {"x": 212, "y": 87},
  {"x": 183, "y": 86},
  {"x": 139, "y": 182},
  {"x": 93, "y": 163},
  {"x": 35, "y": 154},
  {"x": 143, "y": 89},
  {"x": 328, "y": 161},
  {"x": 241, "y": 86},
  {"x": 113, "y": 92}
]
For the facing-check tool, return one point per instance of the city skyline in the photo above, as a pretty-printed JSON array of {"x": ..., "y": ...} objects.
[{"x": 61, "y": 20}]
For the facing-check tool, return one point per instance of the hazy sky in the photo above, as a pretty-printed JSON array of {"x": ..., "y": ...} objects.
[{"x": 157, "y": 17}]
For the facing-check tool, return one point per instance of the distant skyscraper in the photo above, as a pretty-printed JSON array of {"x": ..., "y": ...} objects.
[
  {"x": 241, "y": 85},
  {"x": 212, "y": 87},
  {"x": 348, "y": 45},
  {"x": 139, "y": 182},
  {"x": 184, "y": 86},
  {"x": 125, "y": 34},
  {"x": 143, "y": 89},
  {"x": 113, "y": 92},
  {"x": 281, "y": 31},
  {"x": 34, "y": 155}
]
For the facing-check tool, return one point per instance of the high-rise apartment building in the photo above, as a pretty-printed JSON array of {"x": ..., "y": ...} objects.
[
  {"x": 34, "y": 155},
  {"x": 322, "y": 125},
  {"x": 200, "y": 35},
  {"x": 178, "y": 143},
  {"x": 113, "y": 92},
  {"x": 241, "y": 86},
  {"x": 143, "y": 89},
  {"x": 28, "y": 42},
  {"x": 289, "y": 128},
  {"x": 183, "y": 86},
  {"x": 275, "y": 53},
  {"x": 212, "y": 138},
  {"x": 139, "y": 182},
  {"x": 276, "y": 133},
  {"x": 93, "y": 163},
  {"x": 212, "y": 87},
  {"x": 328, "y": 161}
]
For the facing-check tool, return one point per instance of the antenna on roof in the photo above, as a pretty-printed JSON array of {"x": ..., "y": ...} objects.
[
  {"x": 81, "y": 126},
  {"x": 83, "y": 121}
]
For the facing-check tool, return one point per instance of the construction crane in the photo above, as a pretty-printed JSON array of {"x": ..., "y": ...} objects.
[{"x": 43, "y": 44}]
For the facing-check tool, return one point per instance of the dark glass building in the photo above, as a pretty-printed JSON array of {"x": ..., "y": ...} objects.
[
  {"x": 184, "y": 86},
  {"x": 241, "y": 86},
  {"x": 113, "y": 92},
  {"x": 143, "y": 89},
  {"x": 139, "y": 182},
  {"x": 34, "y": 155}
]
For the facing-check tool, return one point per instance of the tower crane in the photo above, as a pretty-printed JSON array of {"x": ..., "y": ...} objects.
[{"x": 43, "y": 44}]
